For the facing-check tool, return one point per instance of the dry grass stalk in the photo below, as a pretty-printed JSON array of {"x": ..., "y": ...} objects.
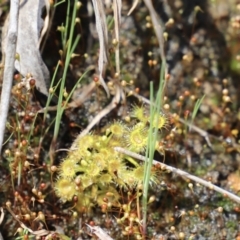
[
  {"x": 117, "y": 6},
  {"x": 102, "y": 31},
  {"x": 135, "y": 3}
]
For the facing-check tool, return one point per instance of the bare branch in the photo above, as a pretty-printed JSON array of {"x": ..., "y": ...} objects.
[
  {"x": 10, "y": 52},
  {"x": 181, "y": 173}
]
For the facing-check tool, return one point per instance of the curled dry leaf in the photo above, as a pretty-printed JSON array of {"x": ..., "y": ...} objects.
[
  {"x": 30, "y": 24},
  {"x": 100, "y": 233}
]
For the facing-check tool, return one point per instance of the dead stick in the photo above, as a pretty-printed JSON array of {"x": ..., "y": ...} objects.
[
  {"x": 10, "y": 52},
  {"x": 181, "y": 173}
]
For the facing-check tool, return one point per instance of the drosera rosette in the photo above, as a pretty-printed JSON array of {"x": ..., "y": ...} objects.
[
  {"x": 140, "y": 113},
  {"x": 100, "y": 159},
  {"x": 65, "y": 189},
  {"x": 83, "y": 142},
  {"x": 68, "y": 168},
  {"x": 117, "y": 129},
  {"x": 91, "y": 166},
  {"x": 136, "y": 138},
  {"x": 133, "y": 176},
  {"x": 115, "y": 164},
  {"x": 160, "y": 120},
  {"x": 94, "y": 169},
  {"x": 138, "y": 175},
  {"x": 105, "y": 179},
  {"x": 82, "y": 146},
  {"x": 108, "y": 151}
]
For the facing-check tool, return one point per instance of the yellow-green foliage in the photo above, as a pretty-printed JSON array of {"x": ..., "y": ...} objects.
[{"x": 93, "y": 170}]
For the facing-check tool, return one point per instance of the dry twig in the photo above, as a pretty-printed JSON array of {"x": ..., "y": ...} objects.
[
  {"x": 135, "y": 3},
  {"x": 183, "y": 174},
  {"x": 10, "y": 52}
]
